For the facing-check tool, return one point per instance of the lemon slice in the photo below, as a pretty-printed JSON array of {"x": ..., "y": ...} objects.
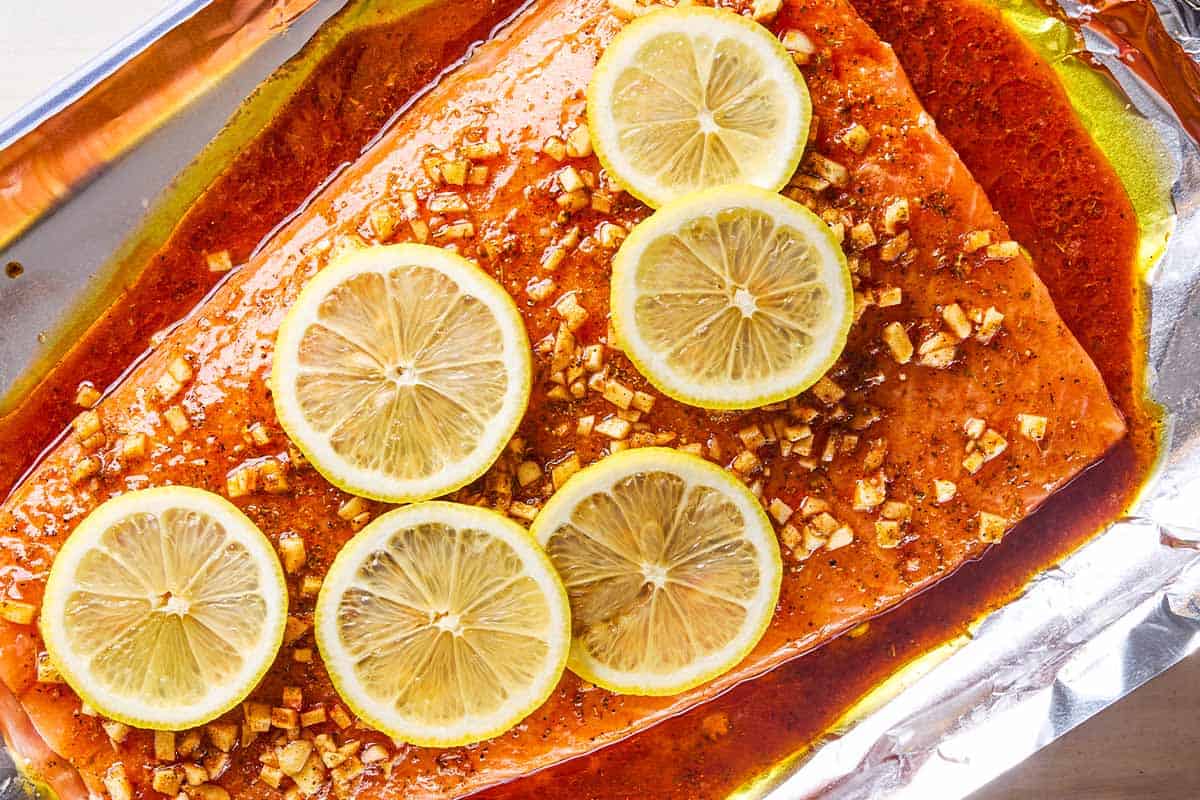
[
  {"x": 164, "y": 608},
  {"x": 689, "y": 98},
  {"x": 401, "y": 372},
  {"x": 732, "y": 298},
  {"x": 671, "y": 565},
  {"x": 443, "y": 624}
]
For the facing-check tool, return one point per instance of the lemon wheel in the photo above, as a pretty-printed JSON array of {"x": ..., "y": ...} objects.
[
  {"x": 732, "y": 298},
  {"x": 443, "y": 624},
  {"x": 689, "y": 98},
  {"x": 671, "y": 565},
  {"x": 164, "y": 608},
  {"x": 401, "y": 372}
]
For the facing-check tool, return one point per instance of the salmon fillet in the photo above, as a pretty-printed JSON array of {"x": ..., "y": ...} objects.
[{"x": 877, "y": 427}]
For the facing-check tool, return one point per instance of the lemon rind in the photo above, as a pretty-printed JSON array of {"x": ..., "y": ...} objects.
[
  {"x": 161, "y": 498},
  {"x": 696, "y": 471},
  {"x": 470, "y": 278},
  {"x": 337, "y": 579},
  {"x": 623, "y": 296},
  {"x": 603, "y": 129}
]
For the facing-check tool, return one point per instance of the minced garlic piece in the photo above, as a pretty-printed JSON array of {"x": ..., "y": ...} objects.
[
  {"x": 383, "y": 219},
  {"x": 799, "y": 45},
  {"x": 614, "y": 428},
  {"x": 977, "y": 240},
  {"x": 989, "y": 325},
  {"x": 86, "y": 395},
  {"x": 827, "y": 168},
  {"x": 893, "y": 248},
  {"x": 294, "y": 628},
  {"x": 455, "y": 231},
  {"x": 869, "y": 492},
  {"x": 164, "y": 745},
  {"x": 46, "y": 671},
  {"x": 564, "y": 470},
  {"x": 752, "y": 437},
  {"x": 167, "y": 780},
  {"x": 1003, "y": 251},
  {"x": 271, "y": 776},
  {"x": 889, "y": 296},
  {"x": 539, "y": 290},
  {"x": 223, "y": 735},
  {"x": 117, "y": 783},
  {"x": 579, "y": 142},
  {"x": 974, "y": 461},
  {"x": 478, "y": 151},
  {"x": 937, "y": 350},
  {"x": 944, "y": 491},
  {"x": 610, "y": 234},
  {"x": 1032, "y": 426},
  {"x": 117, "y": 732},
  {"x": 573, "y": 201},
  {"x": 572, "y": 313},
  {"x": 643, "y": 402},
  {"x": 888, "y": 533},
  {"x": 84, "y": 468},
  {"x": 745, "y": 462},
  {"x": 219, "y": 261},
  {"x": 177, "y": 420},
  {"x": 86, "y": 424},
  {"x": 618, "y": 394},
  {"x": 974, "y": 427},
  {"x": 991, "y": 527},
  {"x": 957, "y": 320},
  {"x": 524, "y": 511},
  {"x": 857, "y": 138},
  {"x": 528, "y": 472},
  {"x": 992, "y": 444},
  {"x": 569, "y": 179},
  {"x": 455, "y": 172},
  {"x": 839, "y": 538},
  {"x": 827, "y": 391},
  {"x": 895, "y": 215},
  {"x": 862, "y": 236},
  {"x": 447, "y": 203},
  {"x": 310, "y": 586},
  {"x": 780, "y": 510},
  {"x": 292, "y": 552},
  {"x": 896, "y": 338}
]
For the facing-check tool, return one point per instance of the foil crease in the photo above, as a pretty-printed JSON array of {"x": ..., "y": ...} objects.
[{"x": 1116, "y": 613}]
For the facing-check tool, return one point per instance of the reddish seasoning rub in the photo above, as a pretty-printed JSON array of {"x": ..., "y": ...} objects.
[
  {"x": 353, "y": 93},
  {"x": 696, "y": 755}
]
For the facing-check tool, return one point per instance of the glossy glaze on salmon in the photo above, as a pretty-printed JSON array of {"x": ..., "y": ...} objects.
[{"x": 880, "y": 433}]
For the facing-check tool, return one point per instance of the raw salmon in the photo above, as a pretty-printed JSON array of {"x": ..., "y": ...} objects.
[{"x": 960, "y": 404}]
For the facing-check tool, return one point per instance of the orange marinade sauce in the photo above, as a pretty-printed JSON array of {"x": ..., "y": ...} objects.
[{"x": 1041, "y": 171}]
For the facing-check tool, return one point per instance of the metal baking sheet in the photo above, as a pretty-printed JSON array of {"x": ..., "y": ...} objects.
[{"x": 1084, "y": 634}]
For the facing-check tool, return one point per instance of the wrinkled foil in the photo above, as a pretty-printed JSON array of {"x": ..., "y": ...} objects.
[
  {"x": 1119, "y": 611},
  {"x": 1110, "y": 617}
]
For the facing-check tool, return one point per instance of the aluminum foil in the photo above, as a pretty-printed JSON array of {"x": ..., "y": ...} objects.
[
  {"x": 1084, "y": 634},
  {"x": 1116, "y": 613}
]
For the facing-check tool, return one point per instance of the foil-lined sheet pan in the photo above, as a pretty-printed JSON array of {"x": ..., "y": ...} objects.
[{"x": 1084, "y": 634}]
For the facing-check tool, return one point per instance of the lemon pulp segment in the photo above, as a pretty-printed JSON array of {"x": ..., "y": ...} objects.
[
  {"x": 732, "y": 298},
  {"x": 671, "y": 566},
  {"x": 401, "y": 372},
  {"x": 164, "y": 607},
  {"x": 689, "y": 98},
  {"x": 443, "y": 624}
]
